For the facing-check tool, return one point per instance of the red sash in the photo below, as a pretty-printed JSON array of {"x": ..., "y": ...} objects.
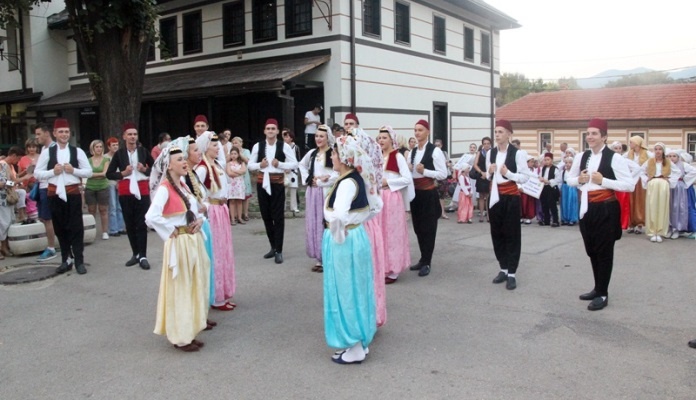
[
  {"x": 124, "y": 187},
  {"x": 424, "y": 184},
  {"x": 508, "y": 189},
  {"x": 600, "y": 196}
]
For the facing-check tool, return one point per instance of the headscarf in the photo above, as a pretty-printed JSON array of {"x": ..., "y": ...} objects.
[
  {"x": 686, "y": 157},
  {"x": 392, "y": 135},
  {"x": 571, "y": 150},
  {"x": 203, "y": 141},
  {"x": 159, "y": 169},
  {"x": 615, "y": 143},
  {"x": 358, "y": 150},
  {"x": 643, "y": 154},
  {"x": 330, "y": 139}
]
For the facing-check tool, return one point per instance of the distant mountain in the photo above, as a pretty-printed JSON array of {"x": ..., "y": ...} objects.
[{"x": 601, "y": 79}]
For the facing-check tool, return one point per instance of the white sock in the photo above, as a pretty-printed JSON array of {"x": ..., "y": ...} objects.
[
  {"x": 143, "y": 258},
  {"x": 355, "y": 353},
  {"x": 393, "y": 276},
  {"x": 504, "y": 270},
  {"x": 51, "y": 248},
  {"x": 511, "y": 275},
  {"x": 604, "y": 298}
]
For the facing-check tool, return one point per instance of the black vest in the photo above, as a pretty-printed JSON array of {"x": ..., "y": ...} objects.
[
  {"x": 328, "y": 163},
  {"x": 552, "y": 172},
  {"x": 53, "y": 157},
  {"x": 279, "y": 154},
  {"x": 427, "y": 159},
  {"x": 510, "y": 161},
  {"x": 604, "y": 164},
  {"x": 360, "y": 199}
]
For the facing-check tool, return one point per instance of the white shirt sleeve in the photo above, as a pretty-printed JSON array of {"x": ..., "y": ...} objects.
[
  {"x": 255, "y": 165},
  {"x": 403, "y": 179}
]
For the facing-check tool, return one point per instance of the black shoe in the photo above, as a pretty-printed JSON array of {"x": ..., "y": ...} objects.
[
  {"x": 554, "y": 225},
  {"x": 80, "y": 268},
  {"x": 541, "y": 223},
  {"x": 589, "y": 295},
  {"x": 117, "y": 234},
  {"x": 144, "y": 264},
  {"x": 278, "y": 258},
  {"x": 270, "y": 254},
  {"x": 416, "y": 267},
  {"x": 564, "y": 223},
  {"x": 64, "y": 267},
  {"x": 692, "y": 344},
  {"x": 134, "y": 260},
  {"x": 502, "y": 277},
  {"x": 511, "y": 283},
  {"x": 598, "y": 303},
  {"x": 424, "y": 271}
]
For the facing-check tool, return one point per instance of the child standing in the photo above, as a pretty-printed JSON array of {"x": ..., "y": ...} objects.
[
  {"x": 549, "y": 195},
  {"x": 465, "y": 203},
  {"x": 236, "y": 168},
  {"x": 570, "y": 211}
]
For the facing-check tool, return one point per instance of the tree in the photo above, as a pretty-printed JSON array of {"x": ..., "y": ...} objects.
[
  {"x": 514, "y": 86},
  {"x": 646, "y": 78},
  {"x": 113, "y": 37}
]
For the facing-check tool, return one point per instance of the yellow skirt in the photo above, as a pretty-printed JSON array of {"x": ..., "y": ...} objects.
[
  {"x": 182, "y": 304},
  {"x": 657, "y": 207}
]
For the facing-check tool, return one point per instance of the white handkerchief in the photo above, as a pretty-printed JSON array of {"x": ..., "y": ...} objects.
[
  {"x": 495, "y": 197},
  {"x": 584, "y": 196},
  {"x": 266, "y": 184},
  {"x": 134, "y": 189},
  {"x": 172, "y": 259},
  {"x": 60, "y": 187}
]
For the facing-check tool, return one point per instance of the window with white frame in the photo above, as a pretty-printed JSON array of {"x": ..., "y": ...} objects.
[
  {"x": 298, "y": 18},
  {"x": 691, "y": 144},
  {"x": 544, "y": 139},
  {"x": 192, "y": 28},
  {"x": 168, "y": 37},
  {"x": 641, "y": 134},
  {"x": 372, "y": 18},
  {"x": 233, "y": 24},
  {"x": 264, "y": 20}
]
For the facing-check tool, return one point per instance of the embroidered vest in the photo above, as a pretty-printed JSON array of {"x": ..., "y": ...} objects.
[
  {"x": 279, "y": 154},
  {"x": 53, "y": 156},
  {"x": 175, "y": 204},
  {"x": 604, "y": 164},
  {"x": 359, "y": 201},
  {"x": 392, "y": 164},
  {"x": 312, "y": 159},
  {"x": 510, "y": 162},
  {"x": 212, "y": 170},
  {"x": 552, "y": 171},
  {"x": 652, "y": 168}
]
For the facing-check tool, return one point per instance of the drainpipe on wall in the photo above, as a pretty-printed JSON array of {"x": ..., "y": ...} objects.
[
  {"x": 492, "y": 82},
  {"x": 352, "y": 57},
  {"x": 22, "y": 56}
]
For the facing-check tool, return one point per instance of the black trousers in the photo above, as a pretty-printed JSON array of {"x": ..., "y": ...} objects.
[
  {"x": 134, "y": 211},
  {"x": 68, "y": 226},
  {"x": 601, "y": 228},
  {"x": 506, "y": 232},
  {"x": 548, "y": 204},
  {"x": 425, "y": 212},
  {"x": 273, "y": 213}
]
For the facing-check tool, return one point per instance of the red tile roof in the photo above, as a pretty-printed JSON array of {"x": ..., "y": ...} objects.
[{"x": 672, "y": 101}]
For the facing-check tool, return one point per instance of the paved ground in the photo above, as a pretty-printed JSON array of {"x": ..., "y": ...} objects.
[{"x": 452, "y": 335}]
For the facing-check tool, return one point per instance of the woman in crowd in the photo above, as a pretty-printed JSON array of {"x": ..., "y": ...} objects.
[
  {"x": 117, "y": 226},
  {"x": 212, "y": 174},
  {"x": 658, "y": 176},
  {"x": 291, "y": 179},
  {"x": 316, "y": 169},
  {"x": 679, "y": 204},
  {"x": 624, "y": 198},
  {"x": 482, "y": 185},
  {"x": 244, "y": 157},
  {"x": 397, "y": 193},
  {"x": 350, "y": 320},
  {"x": 162, "y": 141},
  {"x": 638, "y": 154},
  {"x": 26, "y": 171},
  {"x": 236, "y": 168},
  {"x": 7, "y": 216},
  {"x": 97, "y": 187},
  {"x": 182, "y": 304}
]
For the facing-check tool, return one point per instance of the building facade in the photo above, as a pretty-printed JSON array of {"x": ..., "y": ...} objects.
[
  {"x": 242, "y": 61},
  {"x": 658, "y": 113}
]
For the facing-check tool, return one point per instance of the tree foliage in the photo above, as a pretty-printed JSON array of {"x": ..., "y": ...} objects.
[
  {"x": 515, "y": 85},
  {"x": 646, "y": 78}
]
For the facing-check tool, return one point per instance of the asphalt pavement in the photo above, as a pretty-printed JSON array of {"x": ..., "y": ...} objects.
[{"x": 450, "y": 335}]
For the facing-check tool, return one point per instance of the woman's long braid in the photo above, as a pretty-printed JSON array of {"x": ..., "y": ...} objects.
[
  {"x": 196, "y": 187},
  {"x": 190, "y": 217}
]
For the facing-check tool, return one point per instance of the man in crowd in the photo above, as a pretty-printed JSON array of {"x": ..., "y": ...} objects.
[
  {"x": 312, "y": 120},
  {"x": 43, "y": 138}
]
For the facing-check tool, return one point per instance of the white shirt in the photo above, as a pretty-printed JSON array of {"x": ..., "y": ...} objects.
[
  {"x": 84, "y": 170},
  {"x": 290, "y": 160},
  {"x": 43, "y": 183},
  {"x": 133, "y": 161},
  {"x": 320, "y": 169},
  {"x": 341, "y": 215},
  {"x": 673, "y": 178},
  {"x": 202, "y": 172},
  {"x": 401, "y": 181},
  {"x": 311, "y": 117},
  {"x": 521, "y": 176},
  {"x": 440, "y": 171}
]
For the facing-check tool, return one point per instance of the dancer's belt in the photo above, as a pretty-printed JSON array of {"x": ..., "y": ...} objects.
[
  {"x": 349, "y": 226},
  {"x": 217, "y": 202},
  {"x": 69, "y": 189},
  {"x": 277, "y": 178},
  {"x": 182, "y": 230},
  {"x": 508, "y": 189},
  {"x": 424, "y": 184},
  {"x": 600, "y": 196}
]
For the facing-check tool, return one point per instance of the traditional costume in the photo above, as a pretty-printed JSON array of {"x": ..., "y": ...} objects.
[
  {"x": 657, "y": 180},
  {"x": 679, "y": 210},
  {"x": 570, "y": 204},
  {"x": 182, "y": 303},
  {"x": 212, "y": 174},
  {"x": 465, "y": 202},
  {"x": 637, "y": 202},
  {"x": 550, "y": 193}
]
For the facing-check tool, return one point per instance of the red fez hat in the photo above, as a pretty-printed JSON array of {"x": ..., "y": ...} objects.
[
  {"x": 129, "y": 125},
  {"x": 60, "y": 123},
  {"x": 271, "y": 121},
  {"x": 549, "y": 155},
  {"x": 503, "y": 123},
  {"x": 200, "y": 118},
  {"x": 423, "y": 123},
  {"x": 599, "y": 124},
  {"x": 353, "y": 117}
]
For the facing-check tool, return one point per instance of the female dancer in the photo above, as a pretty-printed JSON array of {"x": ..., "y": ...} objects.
[
  {"x": 624, "y": 198},
  {"x": 182, "y": 304},
  {"x": 570, "y": 204},
  {"x": 638, "y": 154},
  {"x": 658, "y": 176},
  {"x": 397, "y": 193},
  {"x": 350, "y": 320},
  {"x": 316, "y": 169},
  {"x": 679, "y": 204},
  {"x": 212, "y": 174}
]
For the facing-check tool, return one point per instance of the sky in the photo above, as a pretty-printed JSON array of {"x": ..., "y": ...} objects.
[{"x": 563, "y": 38}]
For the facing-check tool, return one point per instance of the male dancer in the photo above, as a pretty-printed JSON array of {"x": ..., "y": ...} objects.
[
  {"x": 599, "y": 172},
  {"x": 64, "y": 166},
  {"x": 427, "y": 164},
  {"x": 506, "y": 166},
  {"x": 131, "y": 166},
  {"x": 270, "y": 186},
  {"x": 43, "y": 137}
]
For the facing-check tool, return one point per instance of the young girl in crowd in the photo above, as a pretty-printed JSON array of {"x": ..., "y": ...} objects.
[
  {"x": 465, "y": 202},
  {"x": 679, "y": 196},
  {"x": 236, "y": 168},
  {"x": 570, "y": 204},
  {"x": 658, "y": 176}
]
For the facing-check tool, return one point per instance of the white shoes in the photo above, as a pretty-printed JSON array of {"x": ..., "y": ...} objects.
[
  {"x": 653, "y": 239},
  {"x": 658, "y": 239},
  {"x": 675, "y": 235},
  {"x": 105, "y": 236}
]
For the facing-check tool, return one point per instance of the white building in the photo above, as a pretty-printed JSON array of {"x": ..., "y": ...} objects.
[{"x": 242, "y": 61}]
